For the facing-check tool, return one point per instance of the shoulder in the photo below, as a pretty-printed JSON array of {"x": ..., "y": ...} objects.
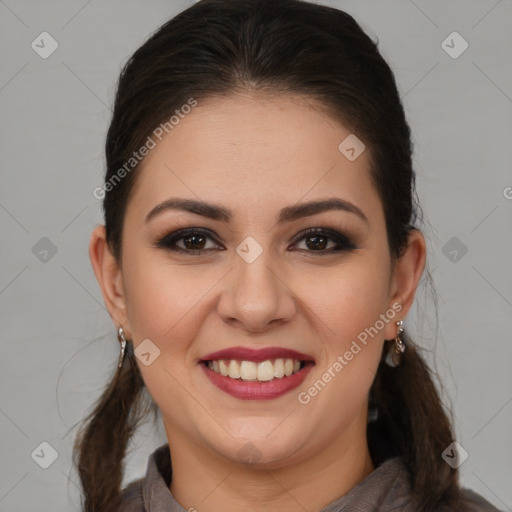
[
  {"x": 399, "y": 494},
  {"x": 153, "y": 489},
  {"x": 131, "y": 497},
  {"x": 473, "y": 502}
]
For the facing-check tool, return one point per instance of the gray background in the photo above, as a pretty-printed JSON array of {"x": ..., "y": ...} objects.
[{"x": 58, "y": 343}]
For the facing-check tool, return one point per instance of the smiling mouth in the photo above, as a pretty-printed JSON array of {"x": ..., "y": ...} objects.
[{"x": 263, "y": 371}]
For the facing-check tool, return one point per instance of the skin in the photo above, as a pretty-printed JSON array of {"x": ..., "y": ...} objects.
[{"x": 256, "y": 155}]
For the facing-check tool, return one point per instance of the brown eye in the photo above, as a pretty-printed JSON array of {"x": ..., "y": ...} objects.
[
  {"x": 194, "y": 241},
  {"x": 320, "y": 240}
]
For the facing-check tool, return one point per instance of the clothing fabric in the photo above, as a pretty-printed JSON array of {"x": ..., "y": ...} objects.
[{"x": 385, "y": 489}]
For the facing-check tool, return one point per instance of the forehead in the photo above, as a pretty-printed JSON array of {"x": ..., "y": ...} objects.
[{"x": 255, "y": 154}]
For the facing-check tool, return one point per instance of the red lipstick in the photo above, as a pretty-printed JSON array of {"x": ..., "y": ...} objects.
[{"x": 254, "y": 389}]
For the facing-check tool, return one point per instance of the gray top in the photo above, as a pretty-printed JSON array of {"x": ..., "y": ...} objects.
[{"x": 385, "y": 489}]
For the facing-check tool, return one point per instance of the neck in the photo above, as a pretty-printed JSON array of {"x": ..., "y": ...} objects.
[{"x": 209, "y": 482}]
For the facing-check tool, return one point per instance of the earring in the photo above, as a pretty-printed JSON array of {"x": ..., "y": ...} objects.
[
  {"x": 122, "y": 340},
  {"x": 395, "y": 352}
]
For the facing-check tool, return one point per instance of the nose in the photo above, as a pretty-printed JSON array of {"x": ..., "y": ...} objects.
[{"x": 256, "y": 296}]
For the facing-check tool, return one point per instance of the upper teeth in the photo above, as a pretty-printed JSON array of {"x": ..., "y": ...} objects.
[{"x": 249, "y": 370}]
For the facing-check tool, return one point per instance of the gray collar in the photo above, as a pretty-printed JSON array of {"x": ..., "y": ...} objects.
[{"x": 384, "y": 489}]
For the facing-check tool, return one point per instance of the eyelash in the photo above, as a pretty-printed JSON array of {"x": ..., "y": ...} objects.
[{"x": 344, "y": 244}]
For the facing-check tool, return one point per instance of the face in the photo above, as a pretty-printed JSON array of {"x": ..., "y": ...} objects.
[{"x": 245, "y": 276}]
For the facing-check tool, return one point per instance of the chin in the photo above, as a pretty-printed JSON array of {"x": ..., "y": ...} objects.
[{"x": 260, "y": 451}]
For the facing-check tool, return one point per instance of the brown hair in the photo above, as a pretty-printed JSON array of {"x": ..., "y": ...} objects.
[{"x": 220, "y": 47}]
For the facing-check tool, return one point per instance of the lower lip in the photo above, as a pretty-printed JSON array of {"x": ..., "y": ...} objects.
[{"x": 256, "y": 390}]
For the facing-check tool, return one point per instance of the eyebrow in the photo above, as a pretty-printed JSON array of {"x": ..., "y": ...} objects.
[{"x": 287, "y": 214}]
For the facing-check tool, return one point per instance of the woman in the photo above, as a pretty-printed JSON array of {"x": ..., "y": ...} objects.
[{"x": 258, "y": 258}]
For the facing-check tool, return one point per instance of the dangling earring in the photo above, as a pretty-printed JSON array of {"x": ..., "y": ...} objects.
[
  {"x": 122, "y": 340},
  {"x": 394, "y": 355}
]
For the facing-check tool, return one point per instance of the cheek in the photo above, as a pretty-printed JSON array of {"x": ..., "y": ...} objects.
[
  {"x": 149, "y": 309},
  {"x": 349, "y": 309},
  {"x": 162, "y": 299},
  {"x": 349, "y": 300},
  {"x": 163, "y": 304}
]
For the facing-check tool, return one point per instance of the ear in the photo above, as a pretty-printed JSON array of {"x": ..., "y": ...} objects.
[
  {"x": 406, "y": 276},
  {"x": 110, "y": 278}
]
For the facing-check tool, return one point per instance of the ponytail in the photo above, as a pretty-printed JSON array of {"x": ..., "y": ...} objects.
[
  {"x": 101, "y": 443},
  {"x": 412, "y": 423}
]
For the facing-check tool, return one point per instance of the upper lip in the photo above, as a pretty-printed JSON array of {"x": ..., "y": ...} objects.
[{"x": 256, "y": 355}]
